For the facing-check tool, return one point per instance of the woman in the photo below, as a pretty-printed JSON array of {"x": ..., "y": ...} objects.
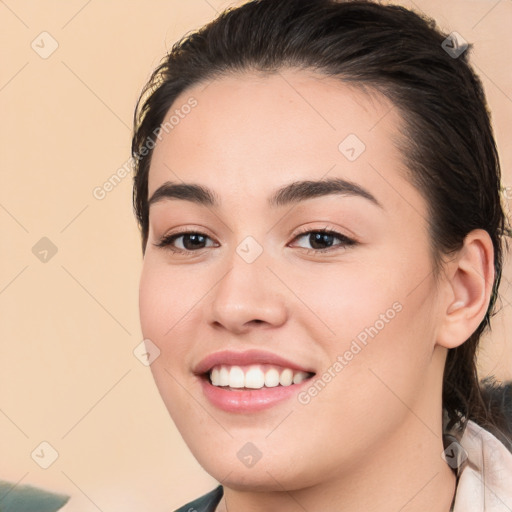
[{"x": 318, "y": 192}]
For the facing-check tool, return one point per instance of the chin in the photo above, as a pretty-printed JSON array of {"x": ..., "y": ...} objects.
[{"x": 273, "y": 472}]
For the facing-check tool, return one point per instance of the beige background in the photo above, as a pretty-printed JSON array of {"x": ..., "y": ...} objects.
[{"x": 68, "y": 375}]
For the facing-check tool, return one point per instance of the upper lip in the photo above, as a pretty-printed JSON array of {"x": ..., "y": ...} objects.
[{"x": 248, "y": 357}]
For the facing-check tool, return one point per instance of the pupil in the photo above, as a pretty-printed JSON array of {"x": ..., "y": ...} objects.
[
  {"x": 322, "y": 238},
  {"x": 194, "y": 239}
]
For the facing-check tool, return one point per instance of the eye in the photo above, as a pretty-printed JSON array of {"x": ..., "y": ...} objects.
[
  {"x": 323, "y": 240},
  {"x": 187, "y": 241}
]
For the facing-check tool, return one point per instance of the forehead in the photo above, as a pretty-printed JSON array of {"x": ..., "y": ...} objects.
[{"x": 255, "y": 132}]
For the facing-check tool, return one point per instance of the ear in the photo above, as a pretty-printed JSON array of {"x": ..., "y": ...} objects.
[{"x": 467, "y": 283}]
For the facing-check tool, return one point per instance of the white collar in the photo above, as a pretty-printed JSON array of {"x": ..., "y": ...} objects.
[{"x": 485, "y": 477}]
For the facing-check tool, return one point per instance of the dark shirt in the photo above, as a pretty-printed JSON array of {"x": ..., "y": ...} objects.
[
  {"x": 206, "y": 503},
  {"x": 26, "y": 498}
]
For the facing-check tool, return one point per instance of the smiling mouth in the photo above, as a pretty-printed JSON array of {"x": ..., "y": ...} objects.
[{"x": 257, "y": 376}]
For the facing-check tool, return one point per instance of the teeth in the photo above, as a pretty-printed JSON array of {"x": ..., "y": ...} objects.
[
  {"x": 255, "y": 376},
  {"x": 299, "y": 377},
  {"x": 215, "y": 377},
  {"x": 271, "y": 378},
  {"x": 223, "y": 376},
  {"x": 286, "y": 377},
  {"x": 236, "y": 377}
]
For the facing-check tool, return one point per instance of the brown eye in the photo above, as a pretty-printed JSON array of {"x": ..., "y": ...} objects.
[
  {"x": 324, "y": 240},
  {"x": 184, "y": 242}
]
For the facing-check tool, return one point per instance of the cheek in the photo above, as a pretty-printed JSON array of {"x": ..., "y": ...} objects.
[
  {"x": 344, "y": 299},
  {"x": 389, "y": 350},
  {"x": 163, "y": 307},
  {"x": 165, "y": 298}
]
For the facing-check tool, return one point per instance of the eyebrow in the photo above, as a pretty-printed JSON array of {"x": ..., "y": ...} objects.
[{"x": 289, "y": 194}]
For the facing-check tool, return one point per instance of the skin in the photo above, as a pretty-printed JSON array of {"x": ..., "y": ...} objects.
[{"x": 377, "y": 424}]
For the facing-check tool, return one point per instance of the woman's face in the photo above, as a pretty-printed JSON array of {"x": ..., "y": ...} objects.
[{"x": 259, "y": 296}]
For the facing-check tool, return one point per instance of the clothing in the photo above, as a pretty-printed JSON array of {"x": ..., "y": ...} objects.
[
  {"x": 206, "y": 503},
  {"x": 482, "y": 463},
  {"x": 25, "y": 498},
  {"x": 485, "y": 477}
]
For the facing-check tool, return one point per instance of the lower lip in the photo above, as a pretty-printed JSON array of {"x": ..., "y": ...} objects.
[{"x": 248, "y": 400}]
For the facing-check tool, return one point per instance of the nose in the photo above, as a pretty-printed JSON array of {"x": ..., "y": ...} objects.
[{"x": 248, "y": 295}]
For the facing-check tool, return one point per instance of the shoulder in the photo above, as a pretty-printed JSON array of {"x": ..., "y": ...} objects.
[{"x": 206, "y": 503}]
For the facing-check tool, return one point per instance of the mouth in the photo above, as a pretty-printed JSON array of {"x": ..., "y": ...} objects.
[{"x": 250, "y": 381}]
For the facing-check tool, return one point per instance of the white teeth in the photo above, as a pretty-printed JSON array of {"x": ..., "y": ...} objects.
[
  {"x": 299, "y": 377},
  {"x": 215, "y": 377},
  {"x": 236, "y": 377},
  {"x": 286, "y": 377},
  {"x": 272, "y": 378},
  {"x": 255, "y": 376},
  {"x": 223, "y": 377}
]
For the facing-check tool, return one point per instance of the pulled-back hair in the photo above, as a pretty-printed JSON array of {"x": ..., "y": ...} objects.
[{"x": 447, "y": 143}]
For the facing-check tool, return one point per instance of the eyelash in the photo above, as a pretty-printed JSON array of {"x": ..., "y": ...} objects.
[{"x": 166, "y": 241}]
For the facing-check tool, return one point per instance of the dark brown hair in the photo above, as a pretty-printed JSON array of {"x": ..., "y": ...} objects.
[{"x": 448, "y": 144}]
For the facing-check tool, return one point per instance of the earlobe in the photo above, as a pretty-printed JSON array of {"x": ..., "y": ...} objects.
[{"x": 468, "y": 280}]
